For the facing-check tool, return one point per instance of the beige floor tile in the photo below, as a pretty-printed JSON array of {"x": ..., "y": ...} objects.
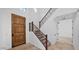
[
  {"x": 25, "y": 47},
  {"x": 62, "y": 44}
]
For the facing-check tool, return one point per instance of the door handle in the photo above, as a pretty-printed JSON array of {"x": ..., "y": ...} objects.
[{"x": 12, "y": 34}]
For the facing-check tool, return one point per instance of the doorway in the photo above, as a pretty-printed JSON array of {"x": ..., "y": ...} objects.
[
  {"x": 65, "y": 33},
  {"x": 18, "y": 30}
]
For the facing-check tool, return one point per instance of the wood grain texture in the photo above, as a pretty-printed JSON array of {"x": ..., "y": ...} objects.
[{"x": 18, "y": 30}]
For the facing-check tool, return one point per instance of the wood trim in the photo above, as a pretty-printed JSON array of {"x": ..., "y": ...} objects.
[{"x": 24, "y": 27}]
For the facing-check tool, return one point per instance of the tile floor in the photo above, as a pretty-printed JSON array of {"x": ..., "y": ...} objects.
[
  {"x": 61, "y": 44},
  {"x": 25, "y": 47}
]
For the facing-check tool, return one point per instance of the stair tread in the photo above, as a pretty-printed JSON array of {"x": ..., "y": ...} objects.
[{"x": 41, "y": 36}]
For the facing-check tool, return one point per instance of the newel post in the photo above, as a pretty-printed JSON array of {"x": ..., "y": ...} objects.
[
  {"x": 46, "y": 43},
  {"x": 32, "y": 26}
]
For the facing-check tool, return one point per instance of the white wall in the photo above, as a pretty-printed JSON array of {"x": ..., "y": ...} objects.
[
  {"x": 76, "y": 32},
  {"x": 5, "y": 24},
  {"x": 35, "y": 41},
  {"x": 65, "y": 28},
  {"x": 50, "y": 27},
  {"x": 35, "y": 17},
  {"x": 1, "y": 28}
]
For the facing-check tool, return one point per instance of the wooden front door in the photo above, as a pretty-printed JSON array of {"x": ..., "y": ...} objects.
[{"x": 18, "y": 30}]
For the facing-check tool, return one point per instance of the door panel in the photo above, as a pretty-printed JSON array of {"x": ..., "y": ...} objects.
[
  {"x": 20, "y": 20},
  {"x": 18, "y": 30}
]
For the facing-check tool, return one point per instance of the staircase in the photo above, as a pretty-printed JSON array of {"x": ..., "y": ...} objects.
[
  {"x": 47, "y": 15},
  {"x": 40, "y": 35}
]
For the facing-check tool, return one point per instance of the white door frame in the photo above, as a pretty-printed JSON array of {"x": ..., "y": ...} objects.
[
  {"x": 65, "y": 17},
  {"x": 58, "y": 27}
]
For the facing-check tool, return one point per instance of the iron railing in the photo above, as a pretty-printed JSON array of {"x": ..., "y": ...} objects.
[{"x": 45, "y": 18}]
